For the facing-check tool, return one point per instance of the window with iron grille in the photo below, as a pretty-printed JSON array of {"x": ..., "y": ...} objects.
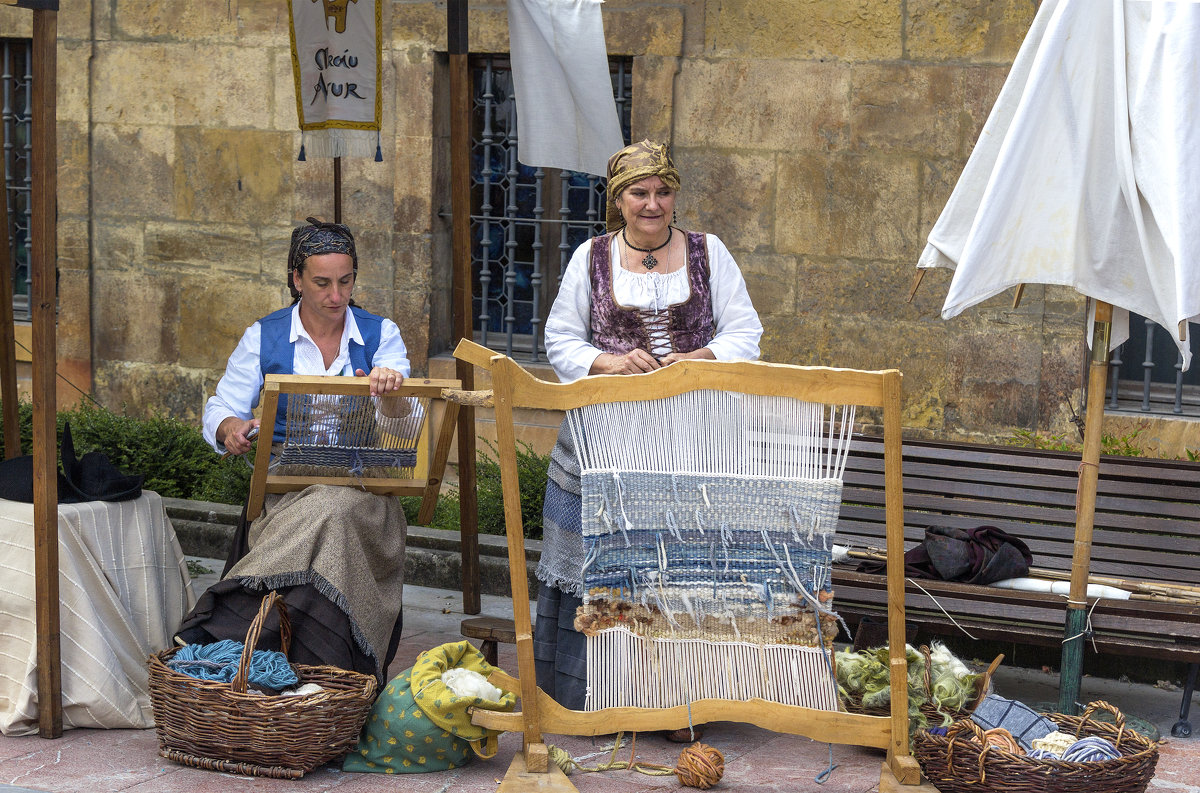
[
  {"x": 525, "y": 221},
  {"x": 17, "y": 64},
  {"x": 1146, "y": 373}
]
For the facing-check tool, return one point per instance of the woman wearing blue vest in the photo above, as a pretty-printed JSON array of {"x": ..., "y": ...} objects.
[{"x": 336, "y": 554}]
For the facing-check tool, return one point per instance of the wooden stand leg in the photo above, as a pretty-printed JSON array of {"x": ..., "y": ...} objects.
[
  {"x": 889, "y": 783},
  {"x": 519, "y": 779}
]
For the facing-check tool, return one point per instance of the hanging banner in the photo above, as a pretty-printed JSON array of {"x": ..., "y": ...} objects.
[{"x": 337, "y": 65}]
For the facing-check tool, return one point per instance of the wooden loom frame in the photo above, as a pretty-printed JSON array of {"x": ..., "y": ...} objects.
[
  {"x": 515, "y": 388},
  {"x": 263, "y": 481}
]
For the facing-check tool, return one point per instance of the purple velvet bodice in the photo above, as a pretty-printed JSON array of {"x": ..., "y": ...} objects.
[{"x": 617, "y": 330}]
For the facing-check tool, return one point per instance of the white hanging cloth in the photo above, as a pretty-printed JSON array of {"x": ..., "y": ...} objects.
[
  {"x": 1087, "y": 172},
  {"x": 566, "y": 115}
]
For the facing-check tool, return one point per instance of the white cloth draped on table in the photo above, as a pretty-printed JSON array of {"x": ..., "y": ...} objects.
[
  {"x": 123, "y": 588},
  {"x": 1085, "y": 173},
  {"x": 566, "y": 115}
]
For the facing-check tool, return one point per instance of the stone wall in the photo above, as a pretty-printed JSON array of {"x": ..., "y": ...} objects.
[{"x": 819, "y": 139}]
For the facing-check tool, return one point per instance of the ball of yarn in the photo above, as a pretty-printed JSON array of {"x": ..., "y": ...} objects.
[
  {"x": 562, "y": 758},
  {"x": 1090, "y": 750},
  {"x": 1002, "y": 739},
  {"x": 700, "y": 766},
  {"x": 1053, "y": 744}
]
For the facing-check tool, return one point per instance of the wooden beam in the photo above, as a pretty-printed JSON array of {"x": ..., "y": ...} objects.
[
  {"x": 44, "y": 164},
  {"x": 8, "y": 346},
  {"x": 462, "y": 306}
]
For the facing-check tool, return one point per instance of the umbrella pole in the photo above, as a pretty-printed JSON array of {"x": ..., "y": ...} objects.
[{"x": 1085, "y": 510}]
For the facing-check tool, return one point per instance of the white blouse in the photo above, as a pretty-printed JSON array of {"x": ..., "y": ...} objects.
[{"x": 568, "y": 328}]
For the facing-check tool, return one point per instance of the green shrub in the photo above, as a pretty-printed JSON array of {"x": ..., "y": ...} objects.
[{"x": 1119, "y": 445}]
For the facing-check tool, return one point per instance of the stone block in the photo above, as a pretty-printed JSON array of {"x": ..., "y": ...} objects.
[
  {"x": 74, "y": 251},
  {"x": 763, "y": 104},
  {"x": 263, "y": 23},
  {"x": 141, "y": 317},
  {"x": 74, "y": 22},
  {"x": 999, "y": 370},
  {"x": 976, "y": 30},
  {"x": 232, "y": 176},
  {"x": 74, "y": 324},
  {"x": 117, "y": 245},
  {"x": 849, "y": 205},
  {"x": 133, "y": 83},
  {"x": 285, "y": 116},
  {"x": 143, "y": 390},
  {"x": 488, "y": 26},
  {"x": 848, "y": 30},
  {"x": 771, "y": 282},
  {"x": 169, "y": 20},
  {"x": 72, "y": 103},
  {"x": 938, "y": 178},
  {"x": 410, "y": 311},
  {"x": 16, "y": 23},
  {"x": 74, "y": 175},
  {"x": 214, "y": 313},
  {"x": 412, "y": 90},
  {"x": 856, "y": 288},
  {"x": 727, "y": 193},
  {"x": 132, "y": 171},
  {"x": 421, "y": 23},
  {"x": 905, "y": 107},
  {"x": 981, "y": 86},
  {"x": 220, "y": 85},
  {"x": 216, "y": 249},
  {"x": 412, "y": 200},
  {"x": 411, "y": 255},
  {"x": 653, "y": 112},
  {"x": 632, "y": 31}
]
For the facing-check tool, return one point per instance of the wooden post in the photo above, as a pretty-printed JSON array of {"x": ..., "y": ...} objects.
[
  {"x": 8, "y": 347},
  {"x": 1085, "y": 511},
  {"x": 462, "y": 308},
  {"x": 337, "y": 189},
  {"x": 45, "y": 404}
]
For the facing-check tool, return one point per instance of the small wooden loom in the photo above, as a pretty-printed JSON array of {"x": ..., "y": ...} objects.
[
  {"x": 332, "y": 432},
  {"x": 515, "y": 388}
]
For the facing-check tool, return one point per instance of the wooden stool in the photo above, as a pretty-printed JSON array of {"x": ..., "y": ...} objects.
[{"x": 489, "y": 630}]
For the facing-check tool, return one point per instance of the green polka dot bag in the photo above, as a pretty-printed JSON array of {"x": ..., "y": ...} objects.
[{"x": 418, "y": 724}]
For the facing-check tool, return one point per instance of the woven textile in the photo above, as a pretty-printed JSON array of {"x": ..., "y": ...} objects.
[{"x": 707, "y": 548}]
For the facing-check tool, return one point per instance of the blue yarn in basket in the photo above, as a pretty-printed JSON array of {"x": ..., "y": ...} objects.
[{"x": 219, "y": 661}]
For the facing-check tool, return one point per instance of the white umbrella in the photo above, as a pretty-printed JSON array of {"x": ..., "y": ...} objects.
[{"x": 1086, "y": 175}]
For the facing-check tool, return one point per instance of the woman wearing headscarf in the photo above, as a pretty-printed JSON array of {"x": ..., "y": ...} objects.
[
  {"x": 336, "y": 554},
  {"x": 638, "y": 298}
]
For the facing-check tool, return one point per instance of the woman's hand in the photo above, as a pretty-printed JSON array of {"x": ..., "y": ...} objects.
[
  {"x": 633, "y": 362},
  {"x": 694, "y": 355},
  {"x": 236, "y": 434},
  {"x": 383, "y": 380}
]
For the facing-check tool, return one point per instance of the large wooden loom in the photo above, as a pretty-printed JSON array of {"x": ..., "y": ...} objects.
[{"x": 515, "y": 388}]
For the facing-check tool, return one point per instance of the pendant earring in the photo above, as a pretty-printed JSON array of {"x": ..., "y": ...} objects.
[{"x": 674, "y": 217}]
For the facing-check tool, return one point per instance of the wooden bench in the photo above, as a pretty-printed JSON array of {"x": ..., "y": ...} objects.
[{"x": 1147, "y": 529}]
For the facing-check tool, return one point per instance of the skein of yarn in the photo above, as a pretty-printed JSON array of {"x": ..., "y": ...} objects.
[
  {"x": 1089, "y": 750},
  {"x": 1002, "y": 739},
  {"x": 700, "y": 766}
]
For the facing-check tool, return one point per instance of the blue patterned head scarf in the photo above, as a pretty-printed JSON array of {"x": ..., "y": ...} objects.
[{"x": 315, "y": 239}]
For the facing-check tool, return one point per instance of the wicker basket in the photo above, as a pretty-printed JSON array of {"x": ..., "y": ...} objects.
[
  {"x": 218, "y": 726},
  {"x": 958, "y": 762},
  {"x": 928, "y": 708}
]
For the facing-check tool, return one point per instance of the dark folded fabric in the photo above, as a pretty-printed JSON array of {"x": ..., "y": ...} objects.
[
  {"x": 974, "y": 556},
  {"x": 90, "y": 478}
]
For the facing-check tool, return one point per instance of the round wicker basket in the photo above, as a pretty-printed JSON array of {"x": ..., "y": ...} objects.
[
  {"x": 221, "y": 727},
  {"x": 959, "y": 762}
]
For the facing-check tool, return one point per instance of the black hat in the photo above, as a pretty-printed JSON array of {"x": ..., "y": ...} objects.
[{"x": 92, "y": 478}]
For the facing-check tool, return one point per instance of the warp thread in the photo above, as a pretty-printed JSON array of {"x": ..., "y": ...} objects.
[
  {"x": 219, "y": 661},
  {"x": 1091, "y": 749}
]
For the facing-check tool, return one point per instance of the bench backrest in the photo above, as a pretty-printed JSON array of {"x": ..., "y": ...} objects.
[{"x": 1147, "y": 523}]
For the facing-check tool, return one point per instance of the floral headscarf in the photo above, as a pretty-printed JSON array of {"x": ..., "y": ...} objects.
[
  {"x": 315, "y": 239},
  {"x": 633, "y": 164}
]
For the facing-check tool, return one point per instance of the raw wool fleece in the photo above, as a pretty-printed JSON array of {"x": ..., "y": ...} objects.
[{"x": 864, "y": 677}]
